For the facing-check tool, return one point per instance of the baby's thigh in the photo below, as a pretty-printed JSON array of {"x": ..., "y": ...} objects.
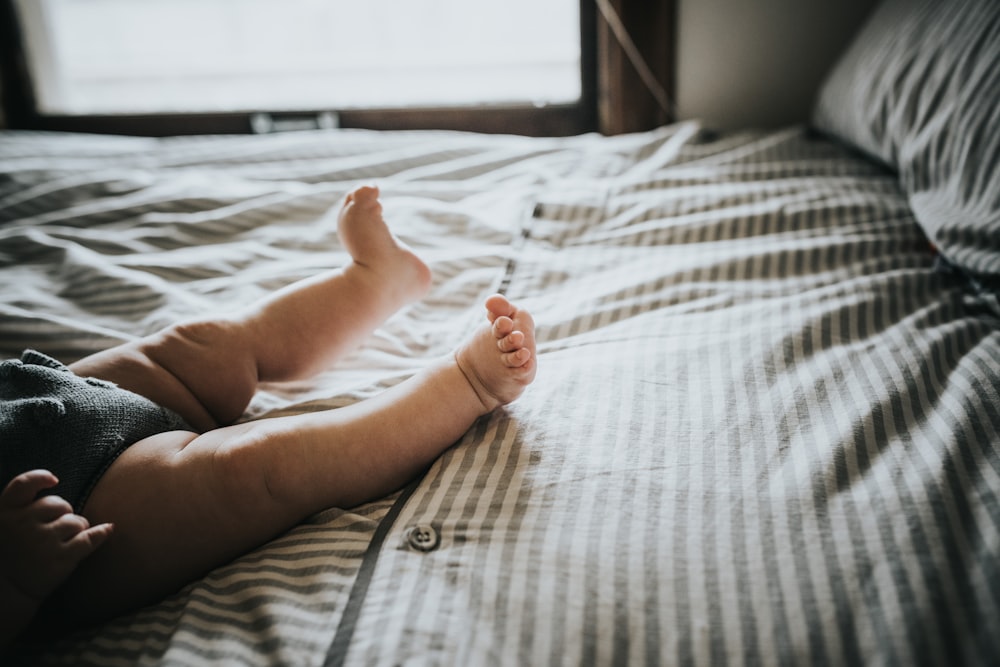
[{"x": 177, "y": 514}]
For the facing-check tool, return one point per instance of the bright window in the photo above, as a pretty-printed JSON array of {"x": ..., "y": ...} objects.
[{"x": 190, "y": 56}]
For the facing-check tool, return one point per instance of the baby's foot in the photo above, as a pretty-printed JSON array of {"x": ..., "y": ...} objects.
[
  {"x": 499, "y": 360},
  {"x": 373, "y": 247}
]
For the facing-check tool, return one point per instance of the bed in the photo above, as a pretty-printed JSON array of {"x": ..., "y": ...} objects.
[{"x": 766, "y": 423}]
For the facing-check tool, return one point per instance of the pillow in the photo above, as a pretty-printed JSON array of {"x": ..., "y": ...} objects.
[{"x": 919, "y": 89}]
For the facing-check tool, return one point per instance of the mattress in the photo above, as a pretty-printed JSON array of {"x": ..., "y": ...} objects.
[{"x": 765, "y": 427}]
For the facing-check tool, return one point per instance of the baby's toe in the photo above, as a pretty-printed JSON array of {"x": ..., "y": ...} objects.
[
  {"x": 517, "y": 358},
  {"x": 502, "y": 326},
  {"x": 364, "y": 193},
  {"x": 498, "y": 306},
  {"x": 511, "y": 342}
]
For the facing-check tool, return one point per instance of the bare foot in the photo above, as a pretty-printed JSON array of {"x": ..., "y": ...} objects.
[
  {"x": 499, "y": 360},
  {"x": 373, "y": 247}
]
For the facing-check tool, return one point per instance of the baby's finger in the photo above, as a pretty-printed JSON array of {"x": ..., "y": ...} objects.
[
  {"x": 88, "y": 541},
  {"x": 49, "y": 508},
  {"x": 68, "y": 526},
  {"x": 22, "y": 489}
]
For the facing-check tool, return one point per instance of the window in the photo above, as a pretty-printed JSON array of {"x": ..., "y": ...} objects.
[
  {"x": 155, "y": 56},
  {"x": 376, "y": 62}
]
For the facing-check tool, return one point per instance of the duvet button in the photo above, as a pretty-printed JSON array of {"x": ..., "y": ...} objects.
[{"x": 423, "y": 537}]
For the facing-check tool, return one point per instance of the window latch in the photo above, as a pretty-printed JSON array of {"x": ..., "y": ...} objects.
[{"x": 267, "y": 123}]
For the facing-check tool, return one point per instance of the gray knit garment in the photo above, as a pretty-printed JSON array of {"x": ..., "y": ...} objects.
[{"x": 75, "y": 427}]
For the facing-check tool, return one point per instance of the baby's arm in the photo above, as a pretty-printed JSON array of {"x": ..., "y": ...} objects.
[{"x": 41, "y": 543}]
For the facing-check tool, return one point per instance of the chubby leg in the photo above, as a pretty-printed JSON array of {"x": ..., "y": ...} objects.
[
  {"x": 183, "y": 504},
  {"x": 207, "y": 370}
]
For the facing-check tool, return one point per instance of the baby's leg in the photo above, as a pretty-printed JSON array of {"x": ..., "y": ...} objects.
[
  {"x": 207, "y": 370},
  {"x": 304, "y": 328},
  {"x": 183, "y": 504}
]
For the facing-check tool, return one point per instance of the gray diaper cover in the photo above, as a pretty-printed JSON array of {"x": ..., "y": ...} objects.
[{"x": 75, "y": 427}]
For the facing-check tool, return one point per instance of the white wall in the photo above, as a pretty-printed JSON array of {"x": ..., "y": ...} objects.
[{"x": 758, "y": 63}]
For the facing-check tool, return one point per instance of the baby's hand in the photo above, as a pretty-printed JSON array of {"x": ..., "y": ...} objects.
[{"x": 41, "y": 539}]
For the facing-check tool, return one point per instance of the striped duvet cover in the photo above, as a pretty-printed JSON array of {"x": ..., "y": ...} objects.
[{"x": 765, "y": 429}]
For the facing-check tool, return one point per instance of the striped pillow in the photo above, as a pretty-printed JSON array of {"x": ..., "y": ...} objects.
[{"x": 919, "y": 89}]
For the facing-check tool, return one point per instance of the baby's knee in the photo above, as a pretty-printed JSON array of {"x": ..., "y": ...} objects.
[
  {"x": 213, "y": 359},
  {"x": 200, "y": 336}
]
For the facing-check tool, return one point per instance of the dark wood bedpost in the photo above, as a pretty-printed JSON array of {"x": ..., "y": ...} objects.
[{"x": 624, "y": 102}]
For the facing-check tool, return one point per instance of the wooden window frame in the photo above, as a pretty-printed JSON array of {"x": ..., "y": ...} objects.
[{"x": 613, "y": 99}]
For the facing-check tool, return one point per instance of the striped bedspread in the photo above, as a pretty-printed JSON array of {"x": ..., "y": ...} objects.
[{"x": 765, "y": 429}]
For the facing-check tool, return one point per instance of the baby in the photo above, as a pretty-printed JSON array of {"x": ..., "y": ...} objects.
[{"x": 184, "y": 488}]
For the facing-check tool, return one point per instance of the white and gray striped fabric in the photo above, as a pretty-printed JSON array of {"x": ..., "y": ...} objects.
[
  {"x": 765, "y": 429},
  {"x": 919, "y": 89}
]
